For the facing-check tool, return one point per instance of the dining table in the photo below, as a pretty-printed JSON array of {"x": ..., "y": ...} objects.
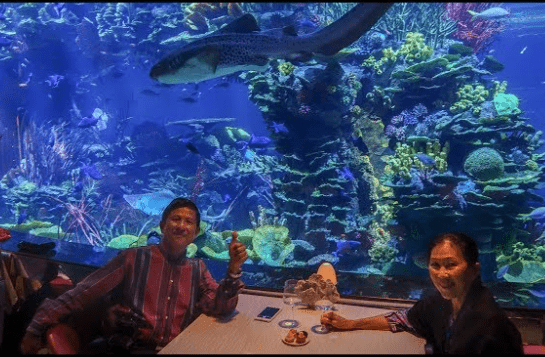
[{"x": 241, "y": 333}]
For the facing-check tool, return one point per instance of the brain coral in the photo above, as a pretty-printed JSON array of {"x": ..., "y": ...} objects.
[{"x": 484, "y": 164}]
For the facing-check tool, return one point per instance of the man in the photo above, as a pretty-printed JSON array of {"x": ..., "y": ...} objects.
[{"x": 159, "y": 288}]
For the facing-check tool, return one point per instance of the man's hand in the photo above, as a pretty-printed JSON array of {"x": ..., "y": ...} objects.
[
  {"x": 237, "y": 253},
  {"x": 332, "y": 319},
  {"x": 31, "y": 343}
]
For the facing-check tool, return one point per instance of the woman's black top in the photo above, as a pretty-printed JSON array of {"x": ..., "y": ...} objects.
[{"x": 480, "y": 327}]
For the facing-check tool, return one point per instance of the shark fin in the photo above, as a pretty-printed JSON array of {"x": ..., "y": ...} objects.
[{"x": 243, "y": 24}]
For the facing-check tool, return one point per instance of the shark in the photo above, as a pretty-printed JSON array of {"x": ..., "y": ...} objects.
[{"x": 242, "y": 46}]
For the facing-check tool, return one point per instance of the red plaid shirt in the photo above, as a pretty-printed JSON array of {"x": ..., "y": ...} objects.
[{"x": 156, "y": 289}]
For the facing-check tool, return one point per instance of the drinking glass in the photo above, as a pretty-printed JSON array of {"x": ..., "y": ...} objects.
[
  {"x": 324, "y": 305},
  {"x": 289, "y": 297}
]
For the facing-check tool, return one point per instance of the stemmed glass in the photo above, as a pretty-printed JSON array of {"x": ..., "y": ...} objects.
[
  {"x": 289, "y": 297},
  {"x": 324, "y": 305}
]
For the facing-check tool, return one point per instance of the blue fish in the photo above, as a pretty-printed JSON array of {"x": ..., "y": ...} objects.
[
  {"x": 259, "y": 141},
  {"x": 538, "y": 213},
  {"x": 344, "y": 246},
  {"x": 537, "y": 291},
  {"x": 22, "y": 217},
  {"x": 426, "y": 159},
  {"x": 154, "y": 238},
  {"x": 250, "y": 155},
  {"x": 152, "y": 203},
  {"x": 279, "y": 127},
  {"x": 91, "y": 171},
  {"x": 346, "y": 173},
  {"x": 87, "y": 122},
  {"x": 502, "y": 271}
]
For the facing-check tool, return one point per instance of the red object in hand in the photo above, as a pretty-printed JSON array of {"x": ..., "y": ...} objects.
[{"x": 4, "y": 235}]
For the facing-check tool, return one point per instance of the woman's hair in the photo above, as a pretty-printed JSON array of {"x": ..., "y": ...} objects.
[
  {"x": 467, "y": 245},
  {"x": 179, "y": 203}
]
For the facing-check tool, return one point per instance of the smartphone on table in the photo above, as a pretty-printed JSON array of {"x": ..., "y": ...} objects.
[{"x": 268, "y": 313}]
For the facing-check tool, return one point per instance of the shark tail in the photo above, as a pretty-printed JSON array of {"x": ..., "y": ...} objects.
[{"x": 351, "y": 26}]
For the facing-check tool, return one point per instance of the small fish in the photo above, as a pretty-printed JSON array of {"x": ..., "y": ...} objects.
[
  {"x": 188, "y": 99},
  {"x": 346, "y": 173},
  {"x": 192, "y": 148},
  {"x": 154, "y": 238},
  {"x": 54, "y": 80},
  {"x": 221, "y": 85},
  {"x": 91, "y": 171},
  {"x": 259, "y": 141},
  {"x": 426, "y": 159},
  {"x": 344, "y": 246},
  {"x": 279, "y": 127},
  {"x": 538, "y": 213},
  {"x": 537, "y": 291},
  {"x": 87, "y": 122},
  {"x": 149, "y": 92},
  {"x": 490, "y": 14},
  {"x": 523, "y": 50},
  {"x": 22, "y": 217},
  {"x": 226, "y": 198},
  {"x": 502, "y": 271},
  {"x": 250, "y": 155}
]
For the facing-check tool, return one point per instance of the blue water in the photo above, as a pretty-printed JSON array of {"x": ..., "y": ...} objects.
[{"x": 86, "y": 133}]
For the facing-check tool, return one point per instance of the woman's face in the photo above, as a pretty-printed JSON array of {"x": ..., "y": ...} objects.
[{"x": 449, "y": 271}]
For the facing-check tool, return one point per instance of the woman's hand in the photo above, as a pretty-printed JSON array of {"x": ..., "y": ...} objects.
[{"x": 337, "y": 321}]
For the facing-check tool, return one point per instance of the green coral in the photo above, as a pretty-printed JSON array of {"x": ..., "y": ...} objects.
[
  {"x": 469, "y": 97},
  {"x": 272, "y": 244},
  {"x": 123, "y": 241},
  {"x": 499, "y": 87},
  {"x": 414, "y": 48},
  {"x": 402, "y": 161},
  {"x": 484, "y": 164},
  {"x": 506, "y": 104},
  {"x": 286, "y": 68},
  {"x": 381, "y": 251},
  {"x": 27, "y": 227},
  {"x": 525, "y": 264}
]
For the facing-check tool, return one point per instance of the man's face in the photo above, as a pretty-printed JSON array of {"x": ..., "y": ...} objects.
[
  {"x": 450, "y": 272},
  {"x": 179, "y": 229}
]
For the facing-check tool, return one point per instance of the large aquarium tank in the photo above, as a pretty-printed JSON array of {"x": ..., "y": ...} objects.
[{"x": 430, "y": 121}]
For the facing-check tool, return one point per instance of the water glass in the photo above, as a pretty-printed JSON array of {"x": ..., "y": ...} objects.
[{"x": 290, "y": 298}]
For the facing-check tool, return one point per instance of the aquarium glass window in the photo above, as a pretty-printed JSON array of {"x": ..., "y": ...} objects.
[{"x": 320, "y": 133}]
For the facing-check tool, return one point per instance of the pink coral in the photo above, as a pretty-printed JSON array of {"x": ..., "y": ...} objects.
[{"x": 475, "y": 32}]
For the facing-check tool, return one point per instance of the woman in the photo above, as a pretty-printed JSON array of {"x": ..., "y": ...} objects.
[{"x": 461, "y": 317}]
